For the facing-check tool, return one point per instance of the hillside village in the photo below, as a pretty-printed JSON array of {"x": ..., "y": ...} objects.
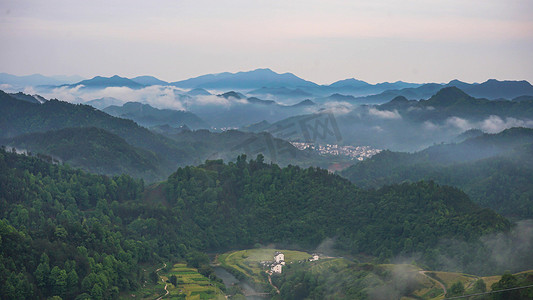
[
  {"x": 279, "y": 261},
  {"x": 353, "y": 152}
]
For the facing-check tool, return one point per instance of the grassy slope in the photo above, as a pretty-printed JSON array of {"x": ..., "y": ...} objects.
[{"x": 247, "y": 261}]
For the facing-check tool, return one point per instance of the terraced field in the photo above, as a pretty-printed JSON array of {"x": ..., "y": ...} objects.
[{"x": 191, "y": 284}]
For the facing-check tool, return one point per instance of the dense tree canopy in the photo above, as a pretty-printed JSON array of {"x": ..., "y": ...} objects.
[
  {"x": 65, "y": 232},
  {"x": 494, "y": 170}
]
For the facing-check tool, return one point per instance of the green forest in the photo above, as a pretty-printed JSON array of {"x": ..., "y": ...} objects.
[
  {"x": 495, "y": 170},
  {"x": 68, "y": 233}
]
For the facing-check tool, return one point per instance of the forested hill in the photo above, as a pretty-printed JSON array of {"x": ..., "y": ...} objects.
[
  {"x": 93, "y": 149},
  {"x": 59, "y": 129},
  {"x": 20, "y": 117},
  {"x": 495, "y": 170},
  {"x": 65, "y": 232},
  {"x": 261, "y": 203}
]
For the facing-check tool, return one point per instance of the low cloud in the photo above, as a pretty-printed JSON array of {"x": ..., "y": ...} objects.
[
  {"x": 402, "y": 281},
  {"x": 210, "y": 100},
  {"x": 428, "y": 125},
  {"x": 494, "y": 124},
  {"x": 157, "y": 96},
  {"x": 6, "y": 87},
  {"x": 338, "y": 108},
  {"x": 459, "y": 123},
  {"x": 492, "y": 254},
  {"x": 512, "y": 250},
  {"x": 326, "y": 247},
  {"x": 217, "y": 100},
  {"x": 384, "y": 114}
]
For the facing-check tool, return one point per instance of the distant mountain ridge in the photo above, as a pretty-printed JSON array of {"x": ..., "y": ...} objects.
[
  {"x": 148, "y": 80},
  {"x": 104, "y": 82},
  {"x": 269, "y": 85},
  {"x": 452, "y": 101},
  {"x": 149, "y": 116},
  {"x": 37, "y": 79},
  {"x": 244, "y": 80},
  {"x": 491, "y": 89},
  {"x": 104, "y": 102}
]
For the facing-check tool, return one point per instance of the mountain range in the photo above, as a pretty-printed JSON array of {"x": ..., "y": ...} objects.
[
  {"x": 37, "y": 79},
  {"x": 244, "y": 80},
  {"x": 148, "y": 116},
  {"x": 391, "y": 125},
  {"x": 265, "y": 83},
  {"x": 491, "y": 89},
  {"x": 30, "y": 126}
]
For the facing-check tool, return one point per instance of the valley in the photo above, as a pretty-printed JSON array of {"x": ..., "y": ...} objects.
[{"x": 242, "y": 194}]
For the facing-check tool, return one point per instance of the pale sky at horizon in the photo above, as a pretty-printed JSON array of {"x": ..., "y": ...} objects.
[{"x": 321, "y": 41}]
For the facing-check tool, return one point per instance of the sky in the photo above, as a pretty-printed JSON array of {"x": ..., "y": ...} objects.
[{"x": 322, "y": 41}]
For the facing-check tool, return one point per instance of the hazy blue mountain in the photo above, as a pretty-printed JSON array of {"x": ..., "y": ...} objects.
[
  {"x": 523, "y": 98},
  {"x": 148, "y": 116},
  {"x": 336, "y": 98},
  {"x": 256, "y": 127},
  {"x": 100, "y": 82},
  {"x": 360, "y": 88},
  {"x": 351, "y": 82},
  {"x": 453, "y": 102},
  {"x": 244, "y": 80},
  {"x": 349, "y": 87},
  {"x": 402, "y": 124},
  {"x": 471, "y": 133},
  {"x": 169, "y": 130},
  {"x": 28, "y": 80},
  {"x": 198, "y": 92},
  {"x": 148, "y": 80},
  {"x": 355, "y": 83},
  {"x": 491, "y": 89},
  {"x": 232, "y": 94},
  {"x": 104, "y": 102},
  {"x": 235, "y": 110},
  {"x": 396, "y": 85},
  {"x": 68, "y": 78},
  {"x": 303, "y": 103},
  {"x": 255, "y": 100}
]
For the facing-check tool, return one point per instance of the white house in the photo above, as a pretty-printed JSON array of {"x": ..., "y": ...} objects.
[
  {"x": 279, "y": 257},
  {"x": 276, "y": 268},
  {"x": 314, "y": 257}
]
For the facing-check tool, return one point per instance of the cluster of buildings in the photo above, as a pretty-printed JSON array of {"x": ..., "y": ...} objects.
[
  {"x": 279, "y": 261},
  {"x": 353, "y": 152}
]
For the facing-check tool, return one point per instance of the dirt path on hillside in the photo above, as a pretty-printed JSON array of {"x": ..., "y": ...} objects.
[
  {"x": 166, "y": 284},
  {"x": 270, "y": 281},
  {"x": 471, "y": 283},
  {"x": 440, "y": 283}
]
